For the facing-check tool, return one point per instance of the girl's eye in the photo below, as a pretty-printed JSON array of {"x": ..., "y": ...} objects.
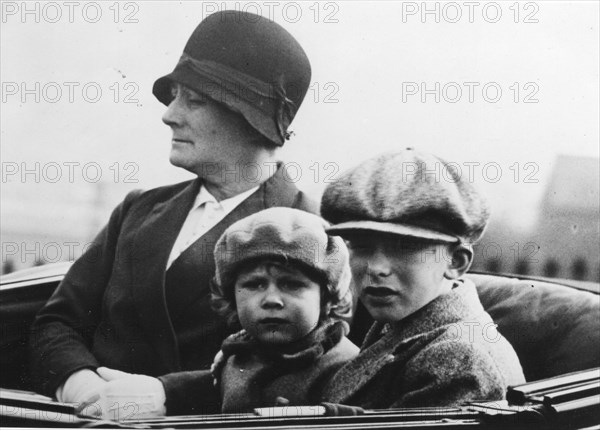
[
  {"x": 292, "y": 285},
  {"x": 252, "y": 285},
  {"x": 197, "y": 102}
]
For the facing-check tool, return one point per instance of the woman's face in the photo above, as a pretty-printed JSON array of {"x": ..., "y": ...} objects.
[{"x": 208, "y": 138}]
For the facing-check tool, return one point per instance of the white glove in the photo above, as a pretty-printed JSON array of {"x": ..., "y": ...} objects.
[
  {"x": 78, "y": 385},
  {"x": 126, "y": 396},
  {"x": 217, "y": 366}
]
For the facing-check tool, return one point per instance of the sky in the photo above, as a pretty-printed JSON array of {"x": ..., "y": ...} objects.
[{"x": 501, "y": 88}]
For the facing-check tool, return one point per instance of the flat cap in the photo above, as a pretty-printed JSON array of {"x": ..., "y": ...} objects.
[{"x": 408, "y": 193}]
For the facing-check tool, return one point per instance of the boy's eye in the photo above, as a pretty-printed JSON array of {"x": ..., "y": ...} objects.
[
  {"x": 358, "y": 245},
  {"x": 197, "y": 102}
]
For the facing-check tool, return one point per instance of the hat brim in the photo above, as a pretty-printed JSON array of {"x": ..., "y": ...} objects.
[
  {"x": 182, "y": 75},
  {"x": 353, "y": 227},
  {"x": 257, "y": 118}
]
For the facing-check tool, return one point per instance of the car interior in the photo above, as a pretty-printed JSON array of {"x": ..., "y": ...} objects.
[{"x": 552, "y": 324}]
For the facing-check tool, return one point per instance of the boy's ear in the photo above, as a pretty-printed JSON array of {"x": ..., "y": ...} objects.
[
  {"x": 462, "y": 257},
  {"x": 326, "y": 310}
]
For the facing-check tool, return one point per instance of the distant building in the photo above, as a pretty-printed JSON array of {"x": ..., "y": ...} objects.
[
  {"x": 565, "y": 242},
  {"x": 57, "y": 224},
  {"x": 569, "y": 220}
]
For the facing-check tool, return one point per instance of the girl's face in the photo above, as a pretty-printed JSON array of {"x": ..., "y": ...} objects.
[{"x": 277, "y": 304}]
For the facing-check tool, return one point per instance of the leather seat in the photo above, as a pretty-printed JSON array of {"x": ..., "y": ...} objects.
[{"x": 553, "y": 328}]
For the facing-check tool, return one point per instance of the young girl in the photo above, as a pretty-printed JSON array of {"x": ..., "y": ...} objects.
[{"x": 286, "y": 283}]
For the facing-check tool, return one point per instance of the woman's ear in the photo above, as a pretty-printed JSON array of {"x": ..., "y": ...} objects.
[{"x": 462, "y": 257}]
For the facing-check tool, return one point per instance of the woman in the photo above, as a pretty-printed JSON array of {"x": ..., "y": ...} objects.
[{"x": 138, "y": 299}]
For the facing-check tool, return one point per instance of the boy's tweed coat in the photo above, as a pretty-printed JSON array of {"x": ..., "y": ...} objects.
[
  {"x": 447, "y": 353},
  {"x": 253, "y": 376},
  {"x": 118, "y": 307}
]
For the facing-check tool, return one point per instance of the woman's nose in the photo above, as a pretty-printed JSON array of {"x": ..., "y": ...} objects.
[
  {"x": 272, "y": 297},
  {"x": 173, "y": 115}
]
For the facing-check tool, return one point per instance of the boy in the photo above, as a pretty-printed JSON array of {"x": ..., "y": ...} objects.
[
  {"x": 410, "y": 219},
  {"x": 286, "y": 282}
]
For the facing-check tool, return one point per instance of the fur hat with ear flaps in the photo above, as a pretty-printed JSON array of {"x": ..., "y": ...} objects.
[{"x": 289, "y": 235}]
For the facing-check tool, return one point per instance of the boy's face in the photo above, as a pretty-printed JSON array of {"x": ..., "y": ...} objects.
[
  {"x": 397, "y": 276},
  {"x": 276, "y": 303}
]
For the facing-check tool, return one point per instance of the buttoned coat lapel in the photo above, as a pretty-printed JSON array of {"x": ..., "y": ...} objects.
[
  {"x": 151, "y": 250},
  {"x": 275, "y": 192}
]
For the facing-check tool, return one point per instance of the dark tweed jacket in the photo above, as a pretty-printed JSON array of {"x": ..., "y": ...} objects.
[
  {"x": 113, "y": 308},
  {"x": 445, "y": 354},
  {"x": 254, "y": 376}
]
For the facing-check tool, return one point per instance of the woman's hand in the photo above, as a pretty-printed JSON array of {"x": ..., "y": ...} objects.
[
  {"x": 125, "y": 396},
  {"x": 79, "y": 385},
  {"x": 217, "y": 366}
]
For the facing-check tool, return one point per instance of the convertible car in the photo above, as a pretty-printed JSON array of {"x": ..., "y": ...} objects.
[{"x": 554, "y": 326}]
